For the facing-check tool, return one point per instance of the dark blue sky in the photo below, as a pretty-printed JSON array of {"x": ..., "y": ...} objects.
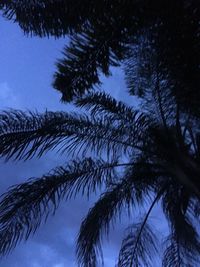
[{"x": 26, "y": 73}]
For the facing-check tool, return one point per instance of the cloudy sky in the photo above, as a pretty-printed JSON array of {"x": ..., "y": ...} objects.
[{"x": 26, "y": 70}]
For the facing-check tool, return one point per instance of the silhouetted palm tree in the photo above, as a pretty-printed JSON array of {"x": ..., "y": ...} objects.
[{"x": 136, "y": 158}]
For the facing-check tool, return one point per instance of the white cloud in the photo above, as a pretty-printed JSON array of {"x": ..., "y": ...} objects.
[{"x": 8, "y": 98}]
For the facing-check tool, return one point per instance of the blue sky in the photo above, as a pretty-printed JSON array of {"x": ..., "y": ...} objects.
[{"x": 26, "y": 73}]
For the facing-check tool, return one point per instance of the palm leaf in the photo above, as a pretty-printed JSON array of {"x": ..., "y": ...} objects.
[
  {"x": 84, "y": 59},
  {"x": 46, "y": 18},
  {"x": 183, "y": 244},
  {"x": 100, "y": 103},
  {"x": 140, "y": 242},
  {"x": 179, "y": 253},
  {"x": 172, "y": 256},
  {"x": 138, "y": 247},
  {"x": 97, "y": 223},
  {"x": 121, "y": 196},
  {"x": 24, "y": 135},
  {"x": 25, "y": 206}
]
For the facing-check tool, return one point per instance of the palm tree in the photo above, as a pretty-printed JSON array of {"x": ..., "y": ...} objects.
[{"x": 134, "y": 158}]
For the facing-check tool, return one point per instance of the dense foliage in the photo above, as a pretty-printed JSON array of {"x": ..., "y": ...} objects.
[
  {"x": 103, "y": 33},
  {"x": 134, "y": 157}
]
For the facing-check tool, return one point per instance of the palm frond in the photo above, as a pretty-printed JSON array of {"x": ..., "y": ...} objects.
[
  {"x": 103, "y": 104},
  {"x": 140, "y": 242},
  {"x": 97, "y": 223},
  {"x": 133, "y": 122},
  {"x": 172, "y": 255},
  {"x": 183, "y": 244},
  {"x": 121, "y": 196},
  {"x": 176, "y": 201},
  {"x": 138, "y": 247},
  {"x": 139, "y": 64},
  {"x": 47, "y": 18},
  {"x": 84, "y": 59},
  {"x": 24, "y": 135},
  {"x": 58, "y": 18},
  {"x": 25, "y": 206},
  {"x": 179, "y": 253}
]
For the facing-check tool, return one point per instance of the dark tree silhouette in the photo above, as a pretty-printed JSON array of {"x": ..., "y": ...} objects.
[
  {"x": 134, "y": 157},
  {"x": 102, "y": 33}
]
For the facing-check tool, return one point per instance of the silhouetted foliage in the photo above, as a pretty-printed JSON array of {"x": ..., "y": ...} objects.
[
  {"x": 107, "y": 33},
  {"x": 136, "y": 159}
]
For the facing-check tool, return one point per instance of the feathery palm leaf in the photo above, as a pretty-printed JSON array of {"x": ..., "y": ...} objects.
[
  {"x": 138, "y": 247},
  {"x": 78, "y": 72},
  {"x": 178, "y": 253},
  {"x": 100, "y": 103},
  {"x": 98, "y": 220},
  {"x": 45, "y": 18},
  {"x": 25, "y": 135},
  {"x": 140, "y": 244},
  {"x": 24, "y": 207}
]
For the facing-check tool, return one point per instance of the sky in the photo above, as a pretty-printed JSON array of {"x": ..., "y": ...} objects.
[{"x": 26, "y": 73}]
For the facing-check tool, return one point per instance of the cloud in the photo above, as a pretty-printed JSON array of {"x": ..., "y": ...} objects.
[{"x": 8, "y": 97}]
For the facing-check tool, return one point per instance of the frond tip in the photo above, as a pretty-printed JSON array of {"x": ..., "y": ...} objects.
[
  {"x": 138, "y": 247},
  {"x": 182, "y": 249}
]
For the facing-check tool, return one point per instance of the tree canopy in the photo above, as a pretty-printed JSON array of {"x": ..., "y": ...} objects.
[
  {"x": 136, "y": 159},
  {"x": 106, "y": 33},
  {"x": 132, "y": 156}
]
